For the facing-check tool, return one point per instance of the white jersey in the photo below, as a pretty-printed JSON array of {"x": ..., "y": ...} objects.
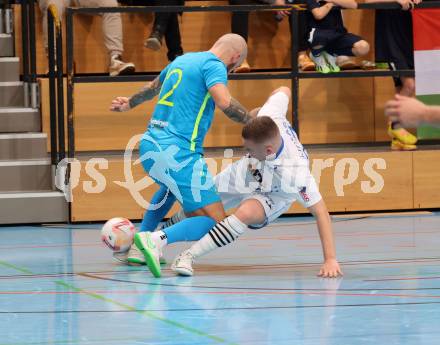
[{"x": 279, "y": 180}]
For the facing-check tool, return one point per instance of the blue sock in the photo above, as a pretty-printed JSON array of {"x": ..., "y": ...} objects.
[
  {"x": 189, "y": 229},
  {"x": 152, "y": 217}
]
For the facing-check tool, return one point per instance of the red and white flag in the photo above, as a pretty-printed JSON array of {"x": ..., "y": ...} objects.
[{"x": 426, "y": 23}]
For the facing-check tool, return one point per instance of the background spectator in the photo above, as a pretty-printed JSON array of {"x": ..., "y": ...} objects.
[
  {"x": 240, "y": 26},
  {"x": 166, "y": 25},
  {"x": 328, "y": 37},
  {"x": 111, "y": 28},
  {"x": 394, "y": 45}
]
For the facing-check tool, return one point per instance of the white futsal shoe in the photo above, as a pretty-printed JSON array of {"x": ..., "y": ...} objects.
[
  {"x": 121, "y": 257},
  {"x": 182, "y": 264},
  {"x": 135, "y": 256},
  {"x": 132, "y": 256}
]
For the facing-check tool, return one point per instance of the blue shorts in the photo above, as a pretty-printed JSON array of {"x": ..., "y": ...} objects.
[
  {"x": 182, "y": 171},
  {"x": 335, "y": 42}
]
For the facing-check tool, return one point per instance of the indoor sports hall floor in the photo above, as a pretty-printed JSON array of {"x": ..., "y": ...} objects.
[{"x": 59, "y": 285}]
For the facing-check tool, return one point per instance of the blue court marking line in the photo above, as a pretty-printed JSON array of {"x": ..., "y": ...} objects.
[
  {"x": 124, "y": 306},
  {"x": 296, "y": 237},
  {"x": 234, "y": 288},
  {"x": 329, "y": 292},
  {"x": 313, "y": 306},
  {"x": 31, "y": 275},
  {"x": 401, "y": 278},
  {"x": 276, "y": 291},
  {"x": 78, "y": 341}
]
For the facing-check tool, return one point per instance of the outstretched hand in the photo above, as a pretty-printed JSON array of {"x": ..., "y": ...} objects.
[
  {"x": 407, "y": 111},
  {"x": 120, "y": 104},
  {"x": 408, "y": 4}
]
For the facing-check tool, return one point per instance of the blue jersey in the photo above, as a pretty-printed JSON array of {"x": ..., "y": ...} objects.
[{"x": 185, "y": 110}]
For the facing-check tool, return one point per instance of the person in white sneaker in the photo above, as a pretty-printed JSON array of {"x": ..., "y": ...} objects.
[
  {"x": 263, "y": 185},
  {"x": 111, "y": 28}
]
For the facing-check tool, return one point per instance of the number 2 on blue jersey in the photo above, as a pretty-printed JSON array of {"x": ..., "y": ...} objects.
[{"x": 164, "y": 100}]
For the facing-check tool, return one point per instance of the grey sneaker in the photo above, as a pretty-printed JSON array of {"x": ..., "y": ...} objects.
[
  {"x": 154, "y": 42},
  {"x": 182, "y": 264},
  {"x": 119, "y": 67}
]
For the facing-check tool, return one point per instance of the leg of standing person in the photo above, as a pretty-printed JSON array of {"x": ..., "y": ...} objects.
[
  {"x": 113, "y": 40},
  {"x": 240, "y": 26},
  {"x": 304, "y": 61},
  {"x": 166, "y": 24},
  {"x": 173, "y": 38},
  {"x": 192, "y": 185},
  {"x": 160, "y": 25},
  {"x": 401, "y": 138},
  {"x": 402, "y": 57}
]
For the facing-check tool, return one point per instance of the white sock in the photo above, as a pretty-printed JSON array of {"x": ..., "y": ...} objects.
[
  {"x": 222, "y": 234},
  {"x": 160, "y": 238}
]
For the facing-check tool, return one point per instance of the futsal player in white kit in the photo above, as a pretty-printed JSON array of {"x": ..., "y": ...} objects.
[{"x": 263, "y": 185}]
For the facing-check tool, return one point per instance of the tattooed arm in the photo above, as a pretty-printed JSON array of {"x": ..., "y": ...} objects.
[
  {"x": 236, "y": 112},
  {"x": 148, "y": 92},
  {"x": 229, "y": 105}
]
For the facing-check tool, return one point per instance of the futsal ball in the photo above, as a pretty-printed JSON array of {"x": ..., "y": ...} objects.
[{"x": 118, "y": 234}]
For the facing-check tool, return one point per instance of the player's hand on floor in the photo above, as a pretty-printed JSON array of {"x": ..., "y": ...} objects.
[
  {"x": 330, "y": 269},
  {"x": 120, "y": 104}
]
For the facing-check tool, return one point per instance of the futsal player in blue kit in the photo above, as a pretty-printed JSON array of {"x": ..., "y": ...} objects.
[{"x": 171, "y": 150}]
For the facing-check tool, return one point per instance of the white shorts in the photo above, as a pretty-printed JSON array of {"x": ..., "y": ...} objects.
[
  {"x": 236, "y": 184},
  {"x": 273, "y": 206}
]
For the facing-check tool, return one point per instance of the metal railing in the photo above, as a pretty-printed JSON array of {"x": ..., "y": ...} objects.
[
  {"x": 294, "y": 74},
  {"x": 6, "y": 25},
  {"x": 29, "y": 59},
  {"x": 56, "y": 85}
]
